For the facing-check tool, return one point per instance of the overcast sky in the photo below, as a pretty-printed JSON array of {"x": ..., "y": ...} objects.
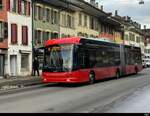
[{"x": 138, "y": 13}]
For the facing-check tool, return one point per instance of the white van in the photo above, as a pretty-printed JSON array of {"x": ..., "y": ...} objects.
[{"x": 146, "y": 61}]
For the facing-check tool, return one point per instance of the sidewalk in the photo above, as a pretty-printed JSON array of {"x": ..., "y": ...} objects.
[{"x": 23, "y": 81}]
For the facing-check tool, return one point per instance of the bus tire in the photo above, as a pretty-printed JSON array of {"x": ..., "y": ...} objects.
[
  {"x": 117, "y": 74},
  {"x": 91, "y": 78}
]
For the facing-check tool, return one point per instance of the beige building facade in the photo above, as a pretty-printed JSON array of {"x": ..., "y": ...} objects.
[
  {"x": 86, "y": 25},
  {"x": 67, "y": 24}
]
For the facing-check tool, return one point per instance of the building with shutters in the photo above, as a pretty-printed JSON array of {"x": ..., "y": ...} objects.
[
  {"x": 3, "y": 36},
  {"x": 17, "y": 40}
]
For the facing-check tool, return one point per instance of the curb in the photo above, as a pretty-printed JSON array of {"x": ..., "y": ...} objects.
[
  {"x": 23, "y": 82},
  {"x": 23, "y": 89},
  {"x": 18, "y": 84}
]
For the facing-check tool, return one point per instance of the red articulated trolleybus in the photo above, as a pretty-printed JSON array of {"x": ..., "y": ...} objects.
[{"x": 77, "y": 60}]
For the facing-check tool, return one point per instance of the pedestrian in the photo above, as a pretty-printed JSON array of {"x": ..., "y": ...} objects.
[{"x": 36, "y": 67}]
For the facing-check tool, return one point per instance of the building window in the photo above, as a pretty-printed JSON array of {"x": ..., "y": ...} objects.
[
  {"x": 138, "y": 39},
  {"x": 35, "y": 12},
  {"x": 1, "y": 5},
  {"x": 126, "y": 37},
  {"x": 69, "y": 21},
  {"x": 5, "y": 30},
  {"x": 46, "y": 36},
  {"x": 14, "y": 33},
  {"x": 85, "y": 20},
  {"x": 62, "y": 20},
  {"x": 40, "y": 13},
  {"x": 149, "y": 51},
  {"x": 55, "y": 17},
  {"x": 142, "y": 39},
  {"x": 24, "y": 61},
  {"x": 132, "y": 37},
  {"x": 145, "y": 50},
  {"x": 24, "y": 7},
  {"x": 38, "y": 36},
  {"x": 96, "y": 24},
  {"x": 28, "y": 8},
  {"x": 13, "y": 5},
  {"x": 80, "y": 19},
  {"x": 54, "y": 35},
  {"x": 91, "y": 22},
  {"x": 47, "y": 15},
  {"x": 1, "y": 31},
  {"x": 24, "y": 35},
  {"x": 72, "y": 23}
]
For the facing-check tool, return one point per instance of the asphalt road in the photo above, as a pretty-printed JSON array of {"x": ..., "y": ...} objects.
[{"x": 101, "y": 97}]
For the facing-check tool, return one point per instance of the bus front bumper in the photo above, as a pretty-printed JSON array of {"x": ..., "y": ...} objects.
[{"x": 73, "y": 77}]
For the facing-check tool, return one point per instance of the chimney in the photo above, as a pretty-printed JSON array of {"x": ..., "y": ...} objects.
[
  {"x": 92, "y": 2},
  {"x": 116, "y": 12},
  {"x": 140, "y": 26},
  {"x": 97, "y": 4},
  {"x": 129, "y": 19},
  {"x": 144, "y": 26},
  {"x": 101, "y": 7}
]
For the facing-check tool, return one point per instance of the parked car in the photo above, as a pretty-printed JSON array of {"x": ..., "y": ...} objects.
[{"x": 147, "y": 63}]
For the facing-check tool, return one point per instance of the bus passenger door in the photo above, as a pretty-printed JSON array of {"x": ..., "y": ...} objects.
[
  {"x": 82, "y": 63},
  {"x": 123, "y": 60}
]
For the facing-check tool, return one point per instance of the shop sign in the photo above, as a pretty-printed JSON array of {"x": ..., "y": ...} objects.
[{"x": 107, "y": 36}]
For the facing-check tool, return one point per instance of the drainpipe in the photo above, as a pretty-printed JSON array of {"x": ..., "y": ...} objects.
[{"x": 32, "y": 1}]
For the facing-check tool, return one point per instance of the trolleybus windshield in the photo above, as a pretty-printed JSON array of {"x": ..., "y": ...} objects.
[{"x": 58, "y": 58}]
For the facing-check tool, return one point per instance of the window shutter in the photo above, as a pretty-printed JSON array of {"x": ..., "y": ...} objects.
[
  {"x": 27, "y": 36},
  {"x": 24, "y": 35},
  {"x": 35, "y": 12},
  {"x": 8, "y": 5},
  {"x": 29, "y": 10},
  {"x": 14, "y": 33},
  {"x": 19, "y": 6}
]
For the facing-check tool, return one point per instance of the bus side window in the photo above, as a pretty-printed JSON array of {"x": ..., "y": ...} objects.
[{"x": 117, "y": 58}]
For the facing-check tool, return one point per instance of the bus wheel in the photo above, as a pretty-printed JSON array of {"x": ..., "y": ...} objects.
[
  {"x": 91, "y": 78},
  {"x": 117, "y": 74}
]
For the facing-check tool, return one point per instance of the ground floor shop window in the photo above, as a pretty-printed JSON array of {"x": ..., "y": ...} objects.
[{"x": 24, "y": 61}]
